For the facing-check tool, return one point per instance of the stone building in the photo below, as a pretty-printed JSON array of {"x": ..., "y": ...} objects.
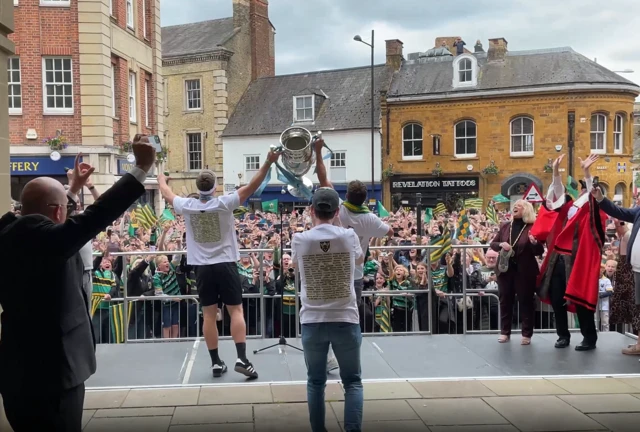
[
  {"x": 208, "y": 66},
  {"x": 87, "y": 70},
  {"x": 488, "y": 123}
]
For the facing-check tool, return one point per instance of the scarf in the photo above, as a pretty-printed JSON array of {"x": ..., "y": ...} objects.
[{"x": 354, "y": 208}]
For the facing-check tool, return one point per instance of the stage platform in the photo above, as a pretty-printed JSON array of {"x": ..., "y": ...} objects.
[{"x": 384, "y": 358}]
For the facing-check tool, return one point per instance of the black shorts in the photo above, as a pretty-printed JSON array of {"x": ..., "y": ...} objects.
[{"x": 219, "y": 283}]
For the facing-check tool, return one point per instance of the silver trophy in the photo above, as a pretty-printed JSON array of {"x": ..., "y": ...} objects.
[{"x": 298, "y": 156}]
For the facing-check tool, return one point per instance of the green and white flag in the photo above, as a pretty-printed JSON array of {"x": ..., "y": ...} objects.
[{"x": 270, "y": 206}]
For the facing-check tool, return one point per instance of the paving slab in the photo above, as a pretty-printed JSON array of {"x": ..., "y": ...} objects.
[
  {"x": 615, "y": 403},
  {"x": 456, "y": 412},
  {"x": 235, "y": 427},
  {"x": 140, "y": 398},
  {"x": 104, "y": 399},
  {"x": 381, "y": 410},
  {"x": 389, "y": 390},
  {"x": 235, "y": 395},
  {"x": 86, "y": 417},
  {"x": 593, "y": 385},
  {"x": 541, "y": 413},
  {"x": 523, "y": 387},
  {"x": 633, "y": 382},
  {"x": 130, "y": 424},
  {"x": 451, "y": 389},
  {"x": 213, "y": 415},
  {"x": 624, "y": 422},
  {"x": 289, "y": 417},
  {"x": 298, "y": 392},
  {"x": 398, "y": 425},
  {"x": 474, "y": 428},
  {"x": 134, "y": 412}
]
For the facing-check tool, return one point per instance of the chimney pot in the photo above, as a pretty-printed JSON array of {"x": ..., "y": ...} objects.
[
  {"x": 394, "y": 53},
  {"x": 497, "y": 49}
]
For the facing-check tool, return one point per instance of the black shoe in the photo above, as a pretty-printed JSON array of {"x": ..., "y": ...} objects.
[
  {"x": 585, "y": 346},
  {"x": 562, "y": 343},
  {"x": 246, "y": 369},
  {"x": 219, "y": 369}
]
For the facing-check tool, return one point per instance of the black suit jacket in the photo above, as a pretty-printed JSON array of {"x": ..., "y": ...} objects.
[{"x": 47, "y": 337}]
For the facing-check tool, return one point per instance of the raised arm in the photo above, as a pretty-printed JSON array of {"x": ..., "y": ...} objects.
[
  {"x": 321, "y": 169},
  {"x": 555, "y": 194},
  {"x": 65, "y": 239},
  {"x": 249, "y": 189}
]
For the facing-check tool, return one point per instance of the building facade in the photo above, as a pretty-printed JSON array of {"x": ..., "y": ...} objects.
[
  {"x": 208, "y": 66},
  {"x": 89, "y": 71},
  {"x": 490, "y": 123},
  {"x": 335, "y": 102}
]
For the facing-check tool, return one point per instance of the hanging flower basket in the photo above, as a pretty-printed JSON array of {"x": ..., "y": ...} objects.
[
  {"x": 548, "y": 168},
  {"x": 388, "y": 172},
  {"x": 162, "y": 155},
  {"x": 491, "y": 169},
  {"x": 56, "y": 143},
  {"x": 437, "y": 172},
  {"x": 126, "y": 147}
]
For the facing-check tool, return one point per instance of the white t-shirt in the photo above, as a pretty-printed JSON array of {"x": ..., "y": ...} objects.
[
  {"x": 605, "y": 285},
  {"x": 325, "y": 256},
  {"x": 210, "y": 226},
  {"x": 366, "y": 226}
]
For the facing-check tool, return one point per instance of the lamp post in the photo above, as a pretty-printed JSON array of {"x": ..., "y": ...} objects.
[{"x": 357, "y": 38}]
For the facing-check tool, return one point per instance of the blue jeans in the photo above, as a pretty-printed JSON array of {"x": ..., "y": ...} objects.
[{"x": 345, "y": 339}]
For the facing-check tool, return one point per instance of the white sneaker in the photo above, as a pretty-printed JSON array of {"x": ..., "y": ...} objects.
[{"x": 332, "y": 364}]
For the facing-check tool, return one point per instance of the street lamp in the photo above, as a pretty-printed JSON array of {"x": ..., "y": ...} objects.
[{"x": 357, "y": 38}]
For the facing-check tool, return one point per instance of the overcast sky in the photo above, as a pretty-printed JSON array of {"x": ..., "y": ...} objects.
[{"x": 318, "y": 34}]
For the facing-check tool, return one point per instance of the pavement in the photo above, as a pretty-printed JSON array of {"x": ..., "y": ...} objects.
[{"x": 492, "y": 405}]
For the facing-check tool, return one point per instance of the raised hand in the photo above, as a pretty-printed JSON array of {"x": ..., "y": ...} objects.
[
  {"x": 586, "y": 164},
  {"x": 144, "y": 152},
  {"x": 273, "y": 156},
  {"x": 597, "y": 193},
  {"x": 81, "y": 173}
]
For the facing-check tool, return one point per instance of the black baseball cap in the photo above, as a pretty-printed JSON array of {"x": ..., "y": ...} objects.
[{"x": 325, "y": 199}]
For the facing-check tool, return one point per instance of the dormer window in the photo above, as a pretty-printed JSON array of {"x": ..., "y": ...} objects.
[
  {"x": 303, "y": 108},
  {"x": 465, "y": 71}
]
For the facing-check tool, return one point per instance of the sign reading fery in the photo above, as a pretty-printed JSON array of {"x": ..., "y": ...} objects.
[
  {"x": 39, "y": 165},
  {"x": 461, "y": 183}
]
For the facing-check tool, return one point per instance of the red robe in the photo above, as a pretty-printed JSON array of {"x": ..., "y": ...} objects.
[
  {"x": 587, "y": 229},
  {"x": 553, "y": 226}
]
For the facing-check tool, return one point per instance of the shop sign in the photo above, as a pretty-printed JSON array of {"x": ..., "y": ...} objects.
[
  {"x": 39, "y": 165},
  {"x": 124, "y": 166},
  {"x": 434, "y": 184}
]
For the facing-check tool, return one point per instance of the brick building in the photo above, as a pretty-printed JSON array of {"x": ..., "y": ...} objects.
[
  {"x": 208, "y": 66},
  {"x": 488, "y": 123},
  {"x": 87, "y": 70}
]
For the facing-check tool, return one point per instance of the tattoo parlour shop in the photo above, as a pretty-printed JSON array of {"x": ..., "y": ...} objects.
[{"x": 432, "y": 189}]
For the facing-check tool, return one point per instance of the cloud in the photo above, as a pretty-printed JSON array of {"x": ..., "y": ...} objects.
[{"x": 318, "y": 34}]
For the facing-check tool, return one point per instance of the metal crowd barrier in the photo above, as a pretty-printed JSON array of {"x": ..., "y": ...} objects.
[{"x": 140, "y": 319}]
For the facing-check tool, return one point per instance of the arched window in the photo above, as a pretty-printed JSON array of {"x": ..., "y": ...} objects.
[
  {"x": 618, "y": 134},
  {"x": 466, "y": 143},
  {"x": 598, "y": 133},
  {"x": 465, "y": 71},
  {"x": 412, "y": 141},
  {"x": 522, "y": 137}
]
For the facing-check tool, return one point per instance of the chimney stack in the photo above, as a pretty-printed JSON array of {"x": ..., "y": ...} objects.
[
  {"x": 394, "y": 53},
  {"x": 497, "y": 49},
  {"x": 478, "y": 48},
  {"x": 241, "y": 12}
]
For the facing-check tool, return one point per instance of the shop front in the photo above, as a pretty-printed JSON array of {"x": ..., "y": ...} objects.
[
  {"x": 432, "y": 190},
  {"x": 273, "y": 193},
  {"x": 25, "y": 168}
]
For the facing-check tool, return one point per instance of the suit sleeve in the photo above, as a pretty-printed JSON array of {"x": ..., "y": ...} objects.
[
  {"x": 64, "y": 240},
  {"x": 623, "y": 214}
]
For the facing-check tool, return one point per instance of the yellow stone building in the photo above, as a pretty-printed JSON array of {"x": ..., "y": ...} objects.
[
  {"x": 489, "y": 123},
  {"x": 207, "y": 67}
]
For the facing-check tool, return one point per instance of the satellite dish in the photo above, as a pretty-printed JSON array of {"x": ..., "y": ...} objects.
[
  {"x": 131, "y": 158},
  {"x": 55, "y": 156}
]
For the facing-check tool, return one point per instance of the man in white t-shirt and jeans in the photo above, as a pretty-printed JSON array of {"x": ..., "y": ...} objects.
[
  {"x": 326, "y": 257},
  {"x": 353, "y": 213},
  {"x": 212, "y": 248}
]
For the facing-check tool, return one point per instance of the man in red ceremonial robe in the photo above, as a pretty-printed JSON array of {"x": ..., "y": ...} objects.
[{"x": 555, "y": 275}]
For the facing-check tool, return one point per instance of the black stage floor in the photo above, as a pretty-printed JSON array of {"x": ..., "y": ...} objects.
[{"x": 383, "y": 358}]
